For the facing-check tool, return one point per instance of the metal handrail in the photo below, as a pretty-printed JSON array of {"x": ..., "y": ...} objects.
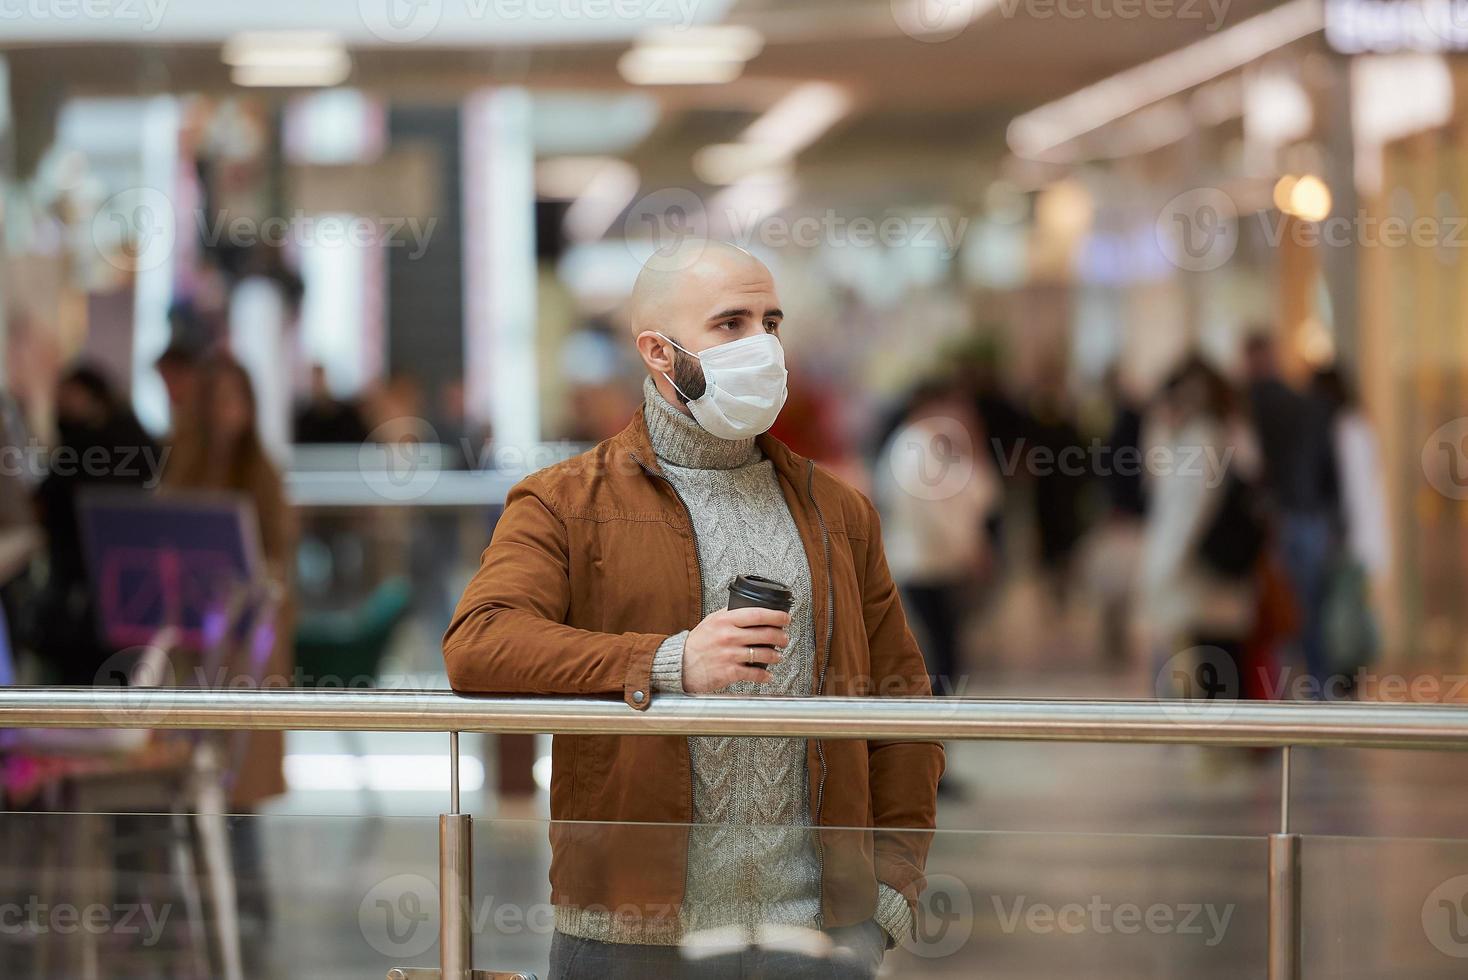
[{"x": 1222, "y": 723}]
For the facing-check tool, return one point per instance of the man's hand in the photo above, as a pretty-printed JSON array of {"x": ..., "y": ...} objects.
[{"x": 717, "y": 650}]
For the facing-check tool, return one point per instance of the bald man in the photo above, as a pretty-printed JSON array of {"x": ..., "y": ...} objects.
[{"x": 609, "y": 574}]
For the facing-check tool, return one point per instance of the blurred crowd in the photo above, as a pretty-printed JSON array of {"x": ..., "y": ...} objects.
[{"x": 1226, "y": 530}]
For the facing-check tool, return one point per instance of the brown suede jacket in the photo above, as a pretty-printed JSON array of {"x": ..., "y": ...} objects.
[{"x": 592, "y": 565}]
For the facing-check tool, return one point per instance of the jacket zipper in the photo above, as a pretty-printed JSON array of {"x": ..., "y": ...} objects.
[
  {"x": 810, "y": 489},
  {"x": 698, "y": 562}
]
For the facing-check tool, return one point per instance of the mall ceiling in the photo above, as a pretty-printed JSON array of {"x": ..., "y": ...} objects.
[{"x": 924, "y": 102}]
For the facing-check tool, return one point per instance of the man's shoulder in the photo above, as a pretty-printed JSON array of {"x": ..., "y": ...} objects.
[{"x": 568, "y": 481}]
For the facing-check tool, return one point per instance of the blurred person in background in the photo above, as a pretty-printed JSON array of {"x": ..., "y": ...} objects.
[
  {"x": 936, "y": 487},
  {"x": 99, "y": 443},
  {"x": 609, "y": 574},
  {"x": 1363, "y": 558},
  {"x": 20, "y": 534},
  {"x": 1295, "y": 438},
  {"x": 1197, "y": 496},
  {"x": 324, "y": 418},
  {"x": 1060, "y": 484},
  {"x": 1116, "y": 548},
  {"x": 1003, "y": 423},
  {"x": 218, "y": 448},
  {"x": 178, "y": 366}
]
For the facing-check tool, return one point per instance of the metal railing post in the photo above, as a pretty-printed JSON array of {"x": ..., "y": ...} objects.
[
  {"x": 455, "y": 881},
  {"x": 1285, "y": 927}
]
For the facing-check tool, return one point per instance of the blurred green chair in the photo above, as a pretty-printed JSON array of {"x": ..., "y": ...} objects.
[{"x": 345, "y": 647}]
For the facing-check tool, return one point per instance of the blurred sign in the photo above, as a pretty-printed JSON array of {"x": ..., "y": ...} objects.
[
  {"x": 1386, "y": 26},
  {"x": 166, "y": 560},
  {"x": 401, "y": 184}
]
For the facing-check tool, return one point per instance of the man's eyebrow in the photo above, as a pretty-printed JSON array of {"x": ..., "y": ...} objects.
[
  {"x": 731, "y": 314},
  {"x": 740, "y": 312}
]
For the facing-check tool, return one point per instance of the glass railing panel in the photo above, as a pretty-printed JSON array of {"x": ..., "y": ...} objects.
[
  {"x": 129, "y": 896},
  {"x": 1384, "y": 908},
  {"x": 996, "y": 904}
]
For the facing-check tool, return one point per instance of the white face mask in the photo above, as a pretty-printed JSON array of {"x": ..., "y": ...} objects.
[{"x": 744, "y": 386}]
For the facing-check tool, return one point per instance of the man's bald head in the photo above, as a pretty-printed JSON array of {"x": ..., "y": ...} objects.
[
  {"x": 690, "y": 269},
  {"x": 700, "y": 294}
]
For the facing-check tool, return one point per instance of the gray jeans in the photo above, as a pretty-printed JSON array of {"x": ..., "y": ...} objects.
[{"x": 573, "y": 958}]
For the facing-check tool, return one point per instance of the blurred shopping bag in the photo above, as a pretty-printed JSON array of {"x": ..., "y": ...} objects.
[{"x": 1276, "y": 621}]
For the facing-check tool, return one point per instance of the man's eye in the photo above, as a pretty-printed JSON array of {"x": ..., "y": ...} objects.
[{"x": 772, "y": 325}]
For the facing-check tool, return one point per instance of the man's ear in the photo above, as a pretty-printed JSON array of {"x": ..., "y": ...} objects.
[{"x": 656, "y": 352}]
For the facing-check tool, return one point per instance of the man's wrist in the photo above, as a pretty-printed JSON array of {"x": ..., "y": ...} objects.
[
  {"x": 667, "y": 665},
  {"x": 893, "y": 914}
]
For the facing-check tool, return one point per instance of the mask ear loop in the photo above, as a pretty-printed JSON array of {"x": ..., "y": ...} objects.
[{"x": 690, "y": 353}]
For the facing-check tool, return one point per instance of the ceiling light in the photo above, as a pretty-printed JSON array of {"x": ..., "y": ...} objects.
[
  {"x": 1040, "y": 131},
  {"x": 662, "y": 66},
  {"x": 799, "y": 119},
  {"x": 690, "y": 56},
  {"x": 1282, "y": 190},
  {"x": 567, "y": 177},
  {"x": 606, "y": 195},
  {"x": 287, "y": 58},
  {"x": 728, "y": 42},
  {"x": 1307, "y": 198},
  {"x": 726, "y": 163}
]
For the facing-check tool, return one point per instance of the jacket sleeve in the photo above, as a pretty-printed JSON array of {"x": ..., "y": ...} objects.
[
  {"x": 509, "y": 633},
  {"x": 903, "y": 775}
]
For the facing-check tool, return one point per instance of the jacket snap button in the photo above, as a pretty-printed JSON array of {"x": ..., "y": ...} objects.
[{"x": 638, "y": 696}]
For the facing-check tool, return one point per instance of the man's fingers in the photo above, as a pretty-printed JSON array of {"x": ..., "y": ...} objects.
[
  {"x": 758, "y": 655},
  {"x": 763, "y": 636},
  {"x": 754, "y": 616},
  {"x": 751, "y": 674}
]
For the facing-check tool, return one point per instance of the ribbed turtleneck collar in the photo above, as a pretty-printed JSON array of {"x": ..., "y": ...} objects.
[{"x": 680, "y": 441}]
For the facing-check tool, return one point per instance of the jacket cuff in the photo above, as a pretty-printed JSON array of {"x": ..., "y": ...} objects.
[
  {"x": 893, "y": 914},
  {"x": 667, "y": 665}
]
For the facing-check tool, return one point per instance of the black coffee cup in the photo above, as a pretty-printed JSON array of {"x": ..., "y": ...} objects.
[{"x": 757, "y": 592}]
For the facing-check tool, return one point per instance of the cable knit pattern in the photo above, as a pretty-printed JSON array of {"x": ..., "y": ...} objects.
[{"x": 752, "y": 860}]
